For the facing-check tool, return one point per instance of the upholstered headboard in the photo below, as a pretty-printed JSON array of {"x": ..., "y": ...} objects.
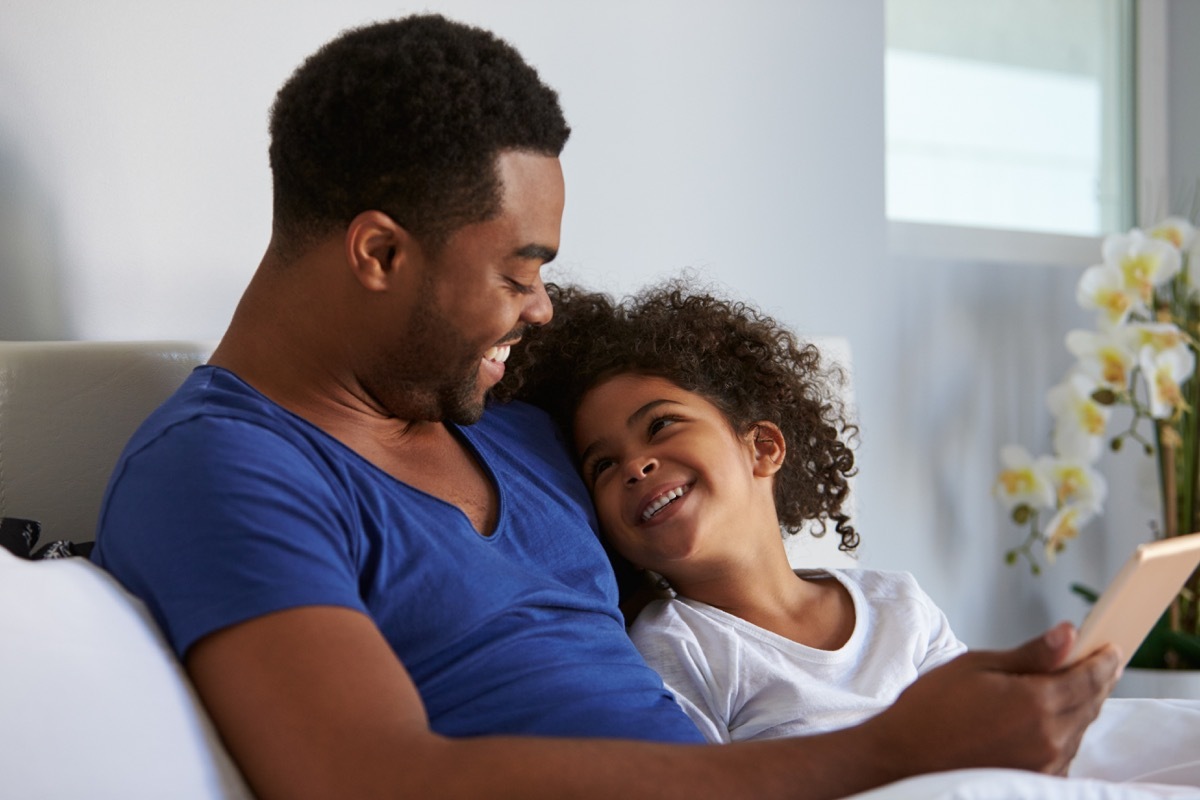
[
  {"x": 66, "y": 411},
  {"x": 68, "y": 408}
]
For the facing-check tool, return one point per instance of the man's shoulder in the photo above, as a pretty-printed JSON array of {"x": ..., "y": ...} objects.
[
  {"x": 213, "y": 413},
  {"x": 213, "y": 390}
]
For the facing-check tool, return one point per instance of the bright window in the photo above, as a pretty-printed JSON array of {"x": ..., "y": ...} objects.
[{"x": 1011, "y": 114}]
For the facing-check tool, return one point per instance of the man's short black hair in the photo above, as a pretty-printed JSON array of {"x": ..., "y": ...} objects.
[{"x": 406, "y": 117}]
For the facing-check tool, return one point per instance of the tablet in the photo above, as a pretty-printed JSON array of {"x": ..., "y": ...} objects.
[{"x": 1138, "y": 596}]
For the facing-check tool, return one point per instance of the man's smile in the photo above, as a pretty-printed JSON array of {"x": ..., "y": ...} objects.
[{"x": 499, "y": 353}]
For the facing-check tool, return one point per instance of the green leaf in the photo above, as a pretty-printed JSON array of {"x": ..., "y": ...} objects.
[
  {"x": 1185, "y": 645},
  {"x": 1086, "y": 592},
  {"x": 1152, "y": 654}
]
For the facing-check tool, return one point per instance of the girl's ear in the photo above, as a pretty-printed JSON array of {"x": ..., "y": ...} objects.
[
  {"x": 769, "y": 448},
  {"x": 375, "y": 248}
]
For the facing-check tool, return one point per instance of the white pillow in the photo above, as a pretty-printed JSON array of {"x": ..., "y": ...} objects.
[{"x": 93, "y": 703}]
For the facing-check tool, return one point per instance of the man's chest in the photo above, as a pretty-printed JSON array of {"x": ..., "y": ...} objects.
[{"x": 443, "y": 467}]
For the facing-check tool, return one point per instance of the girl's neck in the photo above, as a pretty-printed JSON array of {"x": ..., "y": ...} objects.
[{"x": 766, "y": 592}]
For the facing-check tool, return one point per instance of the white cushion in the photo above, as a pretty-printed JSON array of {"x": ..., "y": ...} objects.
[{"x": 93, "y": 703}]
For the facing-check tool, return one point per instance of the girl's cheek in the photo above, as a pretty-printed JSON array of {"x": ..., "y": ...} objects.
[{"x": 603, "y": 513}]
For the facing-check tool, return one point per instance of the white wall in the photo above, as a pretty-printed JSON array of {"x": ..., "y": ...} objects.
[
  {"x": 741, "y": 139},
  {"x": 1183, "y": 69},
  {"x": 140, "y": 130}
]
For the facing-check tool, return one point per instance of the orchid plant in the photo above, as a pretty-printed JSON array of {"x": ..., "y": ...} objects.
[{"x": 1142, "y": 355}]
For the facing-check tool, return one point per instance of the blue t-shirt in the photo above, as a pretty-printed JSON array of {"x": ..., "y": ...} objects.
[{"x": 225, "y": 506}]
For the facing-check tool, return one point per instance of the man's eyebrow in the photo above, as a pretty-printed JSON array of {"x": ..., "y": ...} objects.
[
  {"x": 537, "y": 252},
  {"x": 634, "y": 417}
]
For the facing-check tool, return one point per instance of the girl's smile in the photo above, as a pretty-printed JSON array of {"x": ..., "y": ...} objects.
[{"x": 655, "y": 509}]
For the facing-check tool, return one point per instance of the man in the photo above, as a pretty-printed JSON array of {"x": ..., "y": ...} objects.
[{"x": 380, "y": 588}]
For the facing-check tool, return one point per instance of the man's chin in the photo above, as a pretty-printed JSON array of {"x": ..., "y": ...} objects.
[
  {"x": 466, "y": 415},
  {"x": 465, "y": 407}
]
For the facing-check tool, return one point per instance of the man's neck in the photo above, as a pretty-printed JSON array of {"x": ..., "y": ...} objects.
[
  {"x": 280, "y": 343},
  {"x": 286, "y": 348}
]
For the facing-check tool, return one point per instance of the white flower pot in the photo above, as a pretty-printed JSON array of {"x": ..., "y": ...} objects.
[{"x": 1161, "y": 683}]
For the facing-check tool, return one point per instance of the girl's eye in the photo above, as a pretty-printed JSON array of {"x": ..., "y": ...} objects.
[
  {"x": 599, "y": 465},
  {"x": 659, "y": 423}
]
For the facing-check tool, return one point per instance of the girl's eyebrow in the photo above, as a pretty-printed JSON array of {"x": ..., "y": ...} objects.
[{"x": 633, "y": 419}]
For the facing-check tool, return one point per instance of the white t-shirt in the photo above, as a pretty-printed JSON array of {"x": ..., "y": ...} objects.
[{"x": 738, "y": 681}]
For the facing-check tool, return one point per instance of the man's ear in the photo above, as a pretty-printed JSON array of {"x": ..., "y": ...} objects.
[
  {"x": 376, "y": 248},
  {"x": 769, "y": 448}
]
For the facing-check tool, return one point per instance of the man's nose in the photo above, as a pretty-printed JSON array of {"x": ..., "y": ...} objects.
[{"x": 539, "y": 310}]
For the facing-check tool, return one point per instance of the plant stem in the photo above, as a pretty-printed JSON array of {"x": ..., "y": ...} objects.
[{"x": 1185, "y": 608}]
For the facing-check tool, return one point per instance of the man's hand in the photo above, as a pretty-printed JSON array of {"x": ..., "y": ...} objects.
[{"x": 1012, "y": 708}]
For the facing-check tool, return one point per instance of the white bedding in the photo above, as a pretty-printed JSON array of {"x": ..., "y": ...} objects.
[
  {"x": 1136, "y": 750},
  {"x": 90, "y": 684}
]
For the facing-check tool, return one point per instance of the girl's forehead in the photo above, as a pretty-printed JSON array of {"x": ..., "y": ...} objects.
[
  {"x": 622, "y": 384},
  {"x": 615, "y": 396}
]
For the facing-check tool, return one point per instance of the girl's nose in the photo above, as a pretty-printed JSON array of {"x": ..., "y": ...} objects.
[{"x": 639, "y": 468}]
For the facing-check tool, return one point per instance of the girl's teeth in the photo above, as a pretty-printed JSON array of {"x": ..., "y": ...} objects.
[{"x": 663, "y": 501}]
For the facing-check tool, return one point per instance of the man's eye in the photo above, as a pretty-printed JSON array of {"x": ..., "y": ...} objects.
[{"x": 520, "y": 288}]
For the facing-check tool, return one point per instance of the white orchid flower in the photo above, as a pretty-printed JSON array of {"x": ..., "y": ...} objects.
[
  {"x": 1079, "y": 421},
  {"x": 1105, "y": 355},
  {"x": 1164, "y": 371},
  {"x": 1077, "y": 484},
  {"x": 1160, "y": 336},
  {"x": 1023, "y": 481},
  {"x": 1063, "y": 527},
  {"x": 1182, "y": 234},
  {"x": 1102, "y": 287},
  {"x": 1144, "y": 262},
  {"x": 1176, "y": 230}
]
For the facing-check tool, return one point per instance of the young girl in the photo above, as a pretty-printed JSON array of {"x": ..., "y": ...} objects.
[{"x": 702, "y": 428}]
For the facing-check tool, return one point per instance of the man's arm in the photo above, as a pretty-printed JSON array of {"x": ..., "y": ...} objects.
[{"x": 313, "y": 703}]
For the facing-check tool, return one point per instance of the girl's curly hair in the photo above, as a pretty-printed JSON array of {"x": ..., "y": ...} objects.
[{"x": 744, "y": 362}]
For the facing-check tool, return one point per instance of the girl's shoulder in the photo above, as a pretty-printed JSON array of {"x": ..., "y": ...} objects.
[
  {"x": 682, "y": 619},
  {"x": 873, "y": 583}
]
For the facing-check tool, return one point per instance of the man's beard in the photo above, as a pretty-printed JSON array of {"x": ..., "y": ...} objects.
[
  {"x": 418, "y": 386},
  {"x": 418, "y": 383}
]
